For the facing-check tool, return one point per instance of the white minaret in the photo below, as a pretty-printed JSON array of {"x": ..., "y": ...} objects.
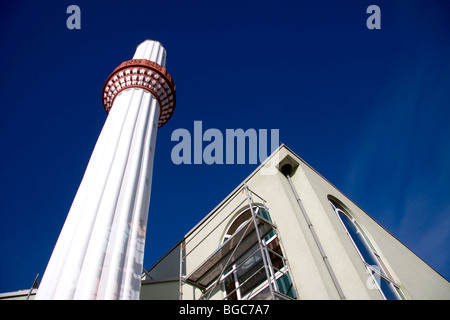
[{"x": 100, "y": 251}]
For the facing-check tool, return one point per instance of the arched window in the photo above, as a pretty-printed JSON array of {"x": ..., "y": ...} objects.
[
  {"x": 246, "y": 278},
  {"x": 375, "y": 265}
]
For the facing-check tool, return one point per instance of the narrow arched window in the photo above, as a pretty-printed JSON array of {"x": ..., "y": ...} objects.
[{"x": 375, "y": 265}]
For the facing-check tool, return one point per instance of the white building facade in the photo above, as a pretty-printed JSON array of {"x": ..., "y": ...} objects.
[{"x": 290, "y": 234}]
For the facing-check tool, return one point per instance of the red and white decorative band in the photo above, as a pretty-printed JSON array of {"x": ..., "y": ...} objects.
[{"x": 145, "y": 74}]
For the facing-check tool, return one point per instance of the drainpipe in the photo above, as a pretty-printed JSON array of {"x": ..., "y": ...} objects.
[{"x": 286, "y": 170}]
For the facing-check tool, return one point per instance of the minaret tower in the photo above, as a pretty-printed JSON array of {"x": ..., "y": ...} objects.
[{"x": 99, "y": 253}]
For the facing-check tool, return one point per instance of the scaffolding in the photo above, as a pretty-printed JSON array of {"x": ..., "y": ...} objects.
[{"x": 245, "y": 252}]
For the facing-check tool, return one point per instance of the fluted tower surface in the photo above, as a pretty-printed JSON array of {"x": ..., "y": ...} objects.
[{"x": 99, "y": 253}]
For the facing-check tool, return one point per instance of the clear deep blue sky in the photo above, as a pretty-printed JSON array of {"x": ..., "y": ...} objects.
[{"x": 368, "y": 109}]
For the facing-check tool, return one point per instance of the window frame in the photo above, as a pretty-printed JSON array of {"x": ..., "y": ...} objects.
[{"x": 380, "y": 270}]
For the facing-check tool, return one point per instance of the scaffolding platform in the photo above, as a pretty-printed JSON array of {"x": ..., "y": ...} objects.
[
  {"x": 250, "y": 264},
  {"x": 231, "y": 250}
]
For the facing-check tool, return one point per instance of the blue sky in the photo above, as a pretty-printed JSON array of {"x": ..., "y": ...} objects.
[{"x": 368, "y": 109}]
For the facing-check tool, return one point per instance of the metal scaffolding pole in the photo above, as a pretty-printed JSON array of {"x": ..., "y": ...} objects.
[
  {"x": 261, "y": 245},
  {"x": 228, "y": 262},
  {"x": 208, "y": 275}
]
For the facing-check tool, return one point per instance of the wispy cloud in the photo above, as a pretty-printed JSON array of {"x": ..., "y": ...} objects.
[{"x": 401, "y": 167}]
